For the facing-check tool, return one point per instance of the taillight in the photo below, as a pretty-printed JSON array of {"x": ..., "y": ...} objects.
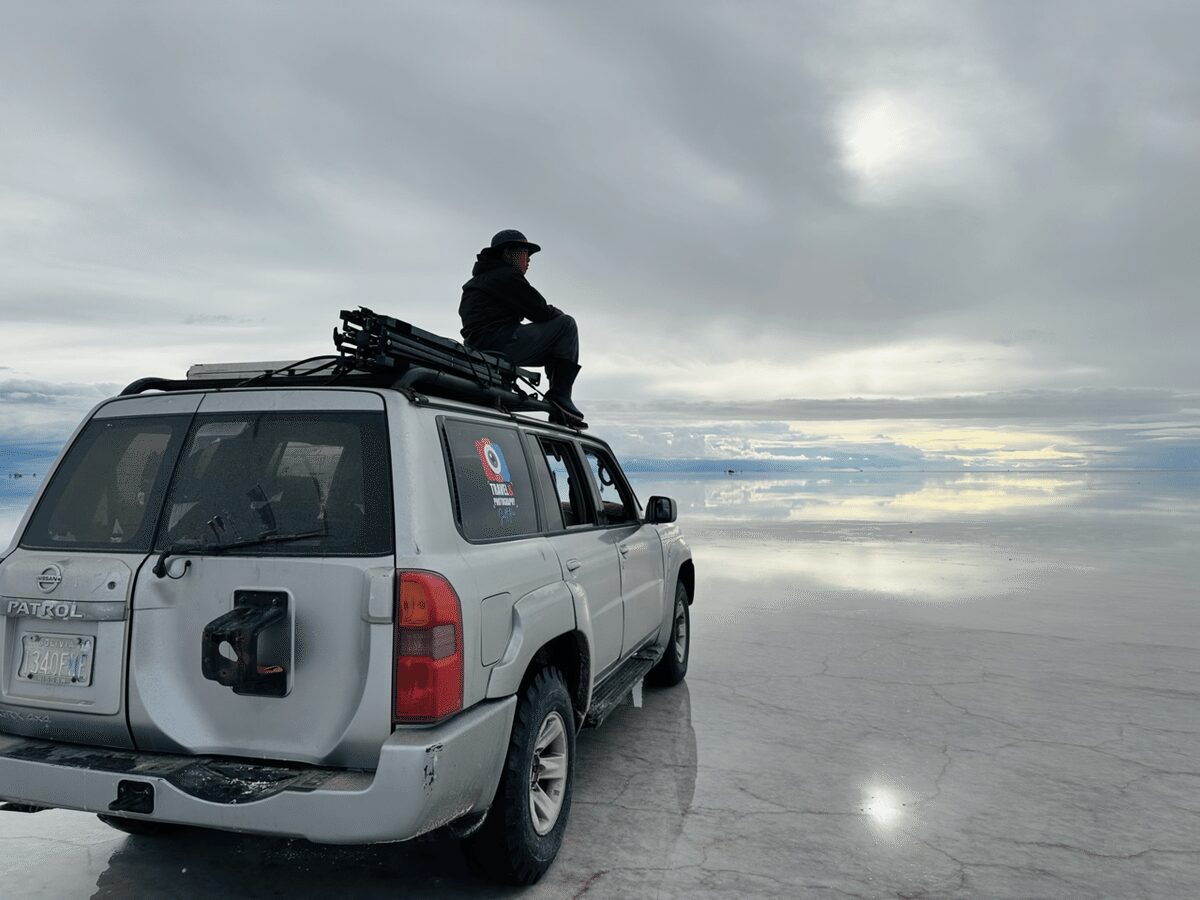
[{"x": 429, "y": 650}]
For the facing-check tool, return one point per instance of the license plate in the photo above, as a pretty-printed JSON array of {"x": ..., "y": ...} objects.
[{"x": 56, "y": 658}]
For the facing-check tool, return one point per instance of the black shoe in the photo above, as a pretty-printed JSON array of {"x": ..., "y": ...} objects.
[
  {"x": 558, "y": 416},
  {"x": 562, "y": 376},
  {"x": 570, "y": 410}
]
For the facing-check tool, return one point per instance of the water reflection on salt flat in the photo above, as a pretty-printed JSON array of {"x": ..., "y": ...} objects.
[
  {"x": 900, "y": 496},
  {"x": 931, "y": 571},
  {"x": 932, "y": 537}
]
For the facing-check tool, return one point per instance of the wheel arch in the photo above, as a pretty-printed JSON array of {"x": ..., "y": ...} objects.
[
  {"x": 687, "y": 574},
  {"x": 546, "y": 631},
  {"x": 569, "y": 654}
]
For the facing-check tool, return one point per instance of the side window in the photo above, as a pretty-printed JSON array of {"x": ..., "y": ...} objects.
[
  {"x": 491, "y": 481},
  {"x": 616, "y": 500},
  {"x": 566, "y": 484}
]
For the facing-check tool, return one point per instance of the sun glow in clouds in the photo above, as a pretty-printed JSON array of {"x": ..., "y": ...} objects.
[
  {"x": 891, "y": 141},
  {"x": 881, "y": 132}
]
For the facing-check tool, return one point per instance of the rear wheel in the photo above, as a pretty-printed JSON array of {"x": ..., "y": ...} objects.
[
  {"x": 140, "y": 827},
  {"x": 671, "y": 669},
  {"x": 524, "y": 828}
]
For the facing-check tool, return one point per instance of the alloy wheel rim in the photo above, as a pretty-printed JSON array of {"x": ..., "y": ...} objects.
[
  {"x": 681, "y": 632},
  {"x": 548, "y": 774}
]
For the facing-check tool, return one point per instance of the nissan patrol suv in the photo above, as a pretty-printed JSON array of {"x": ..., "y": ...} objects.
[{"x": 342, "y": 609}]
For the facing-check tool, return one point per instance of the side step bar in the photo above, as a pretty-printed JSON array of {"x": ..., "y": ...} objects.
[{"x": 613, "y": 690}]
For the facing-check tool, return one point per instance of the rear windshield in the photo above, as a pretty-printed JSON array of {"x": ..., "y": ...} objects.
[
  {"x": 106, "y": 492},
  {"x": 315, "y": 483}
]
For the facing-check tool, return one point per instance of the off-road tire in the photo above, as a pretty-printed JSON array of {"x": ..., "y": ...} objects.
[
  {"x": 507, "y": 847},
  {"x": 671, "y": 669},
  {"x": 140, "y": 827}
]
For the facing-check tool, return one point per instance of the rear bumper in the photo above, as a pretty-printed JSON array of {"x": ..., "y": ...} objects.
[{"x": 426, "y": 778}]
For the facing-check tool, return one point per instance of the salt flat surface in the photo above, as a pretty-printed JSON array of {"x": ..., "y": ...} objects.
[{"x": 904, "y": 685}]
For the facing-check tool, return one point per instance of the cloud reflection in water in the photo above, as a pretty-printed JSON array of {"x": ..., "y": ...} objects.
[
  {"x": 846, "y": 531},
  {"x": 900, "y": 496}
]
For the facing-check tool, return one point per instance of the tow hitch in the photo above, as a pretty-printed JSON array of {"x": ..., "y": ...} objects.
[{"x": 133, "y": 796}]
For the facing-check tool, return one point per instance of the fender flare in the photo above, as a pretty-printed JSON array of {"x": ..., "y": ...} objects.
[
  {"x": 539, "y": 617},
  {"x": 676, "y": 555}
]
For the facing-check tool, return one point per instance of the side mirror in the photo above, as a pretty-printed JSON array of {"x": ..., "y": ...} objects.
[{"x": 660, "y": 511}]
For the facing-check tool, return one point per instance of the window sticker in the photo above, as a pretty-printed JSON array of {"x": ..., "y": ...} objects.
[
  {"x": 492, "y": 457},
  {"x": 495, "y": 469}
]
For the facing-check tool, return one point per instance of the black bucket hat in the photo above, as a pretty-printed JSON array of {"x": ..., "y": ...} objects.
[{"x": 510, "y": 237}]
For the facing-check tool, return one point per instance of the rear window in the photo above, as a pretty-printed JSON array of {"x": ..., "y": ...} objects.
[
  {"x": 106, "y": 493},
  {"x": 314, "y": 483}
]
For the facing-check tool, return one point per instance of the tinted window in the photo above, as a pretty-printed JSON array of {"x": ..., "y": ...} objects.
[
  {"x": 563, "y": 466},
  {"x": 106, "y": 493},
  {"x": 491, "y": 481},
  {"x": 323, "y": 475},
  {"x": 616, "y": 500}
]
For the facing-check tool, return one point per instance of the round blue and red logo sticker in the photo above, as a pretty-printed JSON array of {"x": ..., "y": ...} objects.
[{"x": 495, "y": 470}]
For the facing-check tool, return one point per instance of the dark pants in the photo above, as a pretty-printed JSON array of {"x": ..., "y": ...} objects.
[{"x": 540, "y": 343}]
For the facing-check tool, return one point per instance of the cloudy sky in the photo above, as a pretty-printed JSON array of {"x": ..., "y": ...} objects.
[{"x": 920, "y": 233}]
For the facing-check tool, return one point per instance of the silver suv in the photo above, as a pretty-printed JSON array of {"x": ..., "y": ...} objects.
[{"x": 343, "y": 613}]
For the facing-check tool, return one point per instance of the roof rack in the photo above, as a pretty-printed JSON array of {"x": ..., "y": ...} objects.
[
  {"x": 379, "y": 351},
  {"x": 372, "y": 341}
]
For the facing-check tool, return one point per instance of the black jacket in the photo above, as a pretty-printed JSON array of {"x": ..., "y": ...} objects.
[{"x": 495, "y": 301}]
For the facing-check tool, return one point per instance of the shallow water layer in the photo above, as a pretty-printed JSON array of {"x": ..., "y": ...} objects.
[{"x": 945, "y": 685}]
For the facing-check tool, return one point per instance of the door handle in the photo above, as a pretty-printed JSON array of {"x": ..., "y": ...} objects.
[{"x": 573, "y": 564}]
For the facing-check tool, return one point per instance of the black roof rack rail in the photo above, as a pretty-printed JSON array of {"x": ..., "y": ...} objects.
[
  {"x": 352, "y": 379},
  {"x": 150, "y": 384}
]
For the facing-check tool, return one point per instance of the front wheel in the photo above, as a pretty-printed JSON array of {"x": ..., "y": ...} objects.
[
  {"x": 671, "y": 669},
  {"x": 524, "y": 828}
]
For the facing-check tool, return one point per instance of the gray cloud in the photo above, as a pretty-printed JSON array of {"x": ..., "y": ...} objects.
[
  {"x": 713, "y": 184},
  {"x": 41, "y": 411},
  {"x": 219, "y": 320},
  {"x": 15, "y": 390},
  {"x": 1085, "y": 404}
]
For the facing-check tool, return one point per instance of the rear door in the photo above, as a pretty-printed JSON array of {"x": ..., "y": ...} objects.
[
  {"x": 277, "y": 649},
  {"x": 65, "y": 591}
]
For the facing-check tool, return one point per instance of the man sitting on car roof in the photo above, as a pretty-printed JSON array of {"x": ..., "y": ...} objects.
[{"x": 495, "y": 302}]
